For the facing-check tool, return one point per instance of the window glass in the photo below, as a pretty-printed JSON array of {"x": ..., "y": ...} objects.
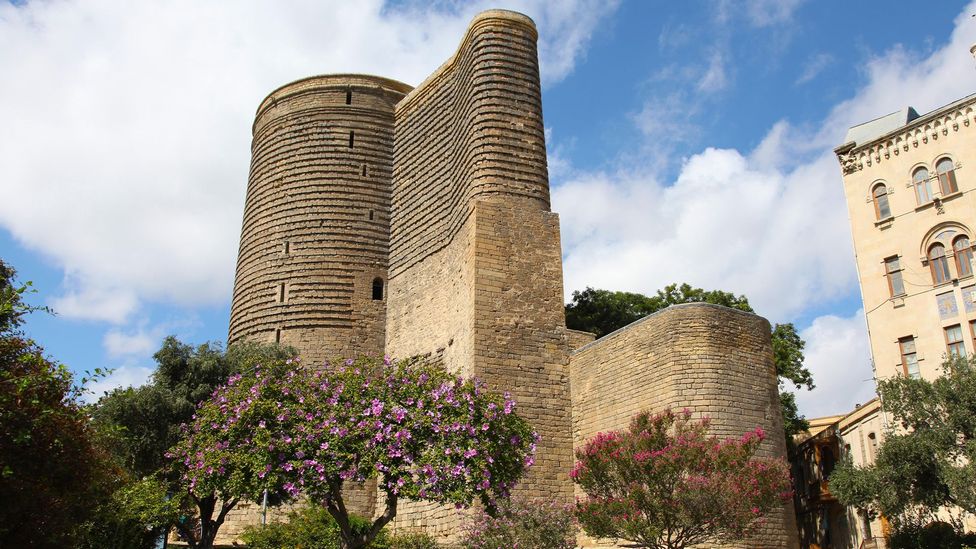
[
  {"x": 909, "y": 359},
  {"x": 923, "y": 188},
  {"x": 939, "y": 264},
  {"x": 947, "y": 176},
  {"x": 896, "y": 286},
  {"x": 964, "y": 256},
  {"x": 954, "y": 345},
  {"x": 881, "y": 208}
]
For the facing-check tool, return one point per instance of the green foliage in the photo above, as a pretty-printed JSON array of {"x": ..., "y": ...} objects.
[
  {"x": 928, "y": 463},
  {"x": 522, "y": 523},
  {"x": 418, "y": 431},
  {"x": 144, "y": 421},
  {"x": 412, "y": 540},
  {"x": 664, "y": 483},
  {"x": 134, "y": 517},
  {"x": 915, "y": 534},
  {"x": 601, "y": 312},
  {"x": 52, "y": 471},
  {"x": 310, "y": 528}
]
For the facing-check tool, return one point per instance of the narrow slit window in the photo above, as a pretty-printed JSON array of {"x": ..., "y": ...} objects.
[
  {"x": 278, "y": 335},
  {"x": 281, "y": 292},
  {"x": 352, "y": 138},
  {"x": 287, "y": 247},
  {"x": 364, "y": 170},
  {"x": 348, "y": 97},
  {"x": 371, "y": 215},
  {"x": 377, "y": 289}
]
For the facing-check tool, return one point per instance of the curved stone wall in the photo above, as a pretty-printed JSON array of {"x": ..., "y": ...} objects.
[
  {"x": 713, "y": 360},
  {"x": 473, "y": 130},
  {"x": 315, "y": 235}
]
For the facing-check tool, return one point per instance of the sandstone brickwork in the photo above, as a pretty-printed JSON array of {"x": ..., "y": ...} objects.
[
  {"x": 713, "y": 360},
  {"x": 441, "y": 194}
]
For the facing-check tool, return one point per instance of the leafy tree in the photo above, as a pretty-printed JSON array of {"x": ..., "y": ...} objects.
[
  {"x": 142, "y": 423},
  {"x": 665, "y": 484},
  {"x": 602, "y": 311},
  {"x": 928, "y": 460},
  {"x": 312, "y": 527},
  {"x": 145, "y": 421},
  {"x": 520, "y": 522},
  {"x": 421, "y": 433},
  {"x": 51, "y": 468}
]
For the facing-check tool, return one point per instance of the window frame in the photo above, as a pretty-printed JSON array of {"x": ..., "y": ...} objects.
[
  {"x": 948, "y": 177},
  {"x": 917, "y": 183},
  {"x": 877, "y": 200},
  {"x": 941, "y": 261},
  {"x": 904, "y": 357},
  {"x": 965, "y": 251},
  {"x": 894, "y": 274},
  {"x": 954, "y": 348}
]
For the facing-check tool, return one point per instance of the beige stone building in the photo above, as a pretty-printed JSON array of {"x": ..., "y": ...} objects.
[
  {"x": 383, "y": 218},
  {"x": 823, "y": 521},
  {"x": 912, "y": 206}
]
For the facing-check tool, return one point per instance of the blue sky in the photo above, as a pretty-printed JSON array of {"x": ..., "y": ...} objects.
[{"x": 689, "y": 141}]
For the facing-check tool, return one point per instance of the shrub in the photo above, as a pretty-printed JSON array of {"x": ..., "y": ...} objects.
[
  {"x": 309, "y": 528},
  {"x": 914, "y": 534},
  {"x": 414, "y": 540},
  {"x": 522, "y": 523}
]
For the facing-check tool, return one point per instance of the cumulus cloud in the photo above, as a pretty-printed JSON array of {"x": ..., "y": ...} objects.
[
  {"x": 126, "y": 131},
  {"x": 770, "y": 223},
  {"x": 837, "y": 355}
]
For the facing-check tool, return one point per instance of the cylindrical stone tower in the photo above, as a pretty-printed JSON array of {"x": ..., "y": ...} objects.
[{"x": 312, "y": 266}]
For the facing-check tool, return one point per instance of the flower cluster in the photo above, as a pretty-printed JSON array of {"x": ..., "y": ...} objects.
[
  {"x": 665, "y": 478},
  {"x": 423, "y": 433}
]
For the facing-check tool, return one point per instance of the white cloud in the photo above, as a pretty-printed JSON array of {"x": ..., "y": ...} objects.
[
  {"x": 770, "y": 223},
  {"x": 837, "y": 354},
  {"x": 728, "y": 222},
  {"x": 761, "y": 13},
  {"x": 138, "y": 342},
  {"x": 124, "y": 376},
  {"x": 813, "y": 67},
  {"x": 126, "y": 131}
]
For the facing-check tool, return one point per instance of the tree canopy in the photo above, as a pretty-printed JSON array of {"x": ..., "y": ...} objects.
[
  {"x": 664, "y": 483},
  {"x": 928, "y": 458},
  {"x": 602, "y": 311},
  {"x": 51, "y": 467},
  {"x": 420, "y": 432}
]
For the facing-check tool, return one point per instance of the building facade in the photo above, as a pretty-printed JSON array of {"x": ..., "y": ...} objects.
[
  {"x": 912, "y": 207},
  {"x": 415, "y": 222}
]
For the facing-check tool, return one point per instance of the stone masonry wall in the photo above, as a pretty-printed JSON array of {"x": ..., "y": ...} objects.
[
  {"x": 713, "y": 360},
  {"x": 475, "y": 266},
  {"x": 315, "y": 234}
]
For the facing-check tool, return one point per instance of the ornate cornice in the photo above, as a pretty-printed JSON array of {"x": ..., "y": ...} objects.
[{"x": 955, "y": 117}]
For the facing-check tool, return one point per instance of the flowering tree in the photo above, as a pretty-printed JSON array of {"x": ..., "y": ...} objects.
[
  {"x": 423, "y": 434},
  {"x": 666, "y": 484},
  {"x": 522, "y": 522}
]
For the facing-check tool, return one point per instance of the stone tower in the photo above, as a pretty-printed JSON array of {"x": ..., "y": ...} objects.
[
  {"x": 312, "y": 267},
  {"x": 382, "y": 219}
]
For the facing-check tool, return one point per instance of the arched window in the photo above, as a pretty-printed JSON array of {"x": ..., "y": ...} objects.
[
  {"x": 923, "y": 188},
  {"x": 881, "y": 208},
  {"x": 964, "y": 255},
  {"x": 377, "y": 288},
  {"x": 947, "y": 176},
  {"x": 939, "y": 264}
]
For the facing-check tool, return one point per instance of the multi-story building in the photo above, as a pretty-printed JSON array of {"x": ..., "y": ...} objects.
[{"x": 912, "y": 206}]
